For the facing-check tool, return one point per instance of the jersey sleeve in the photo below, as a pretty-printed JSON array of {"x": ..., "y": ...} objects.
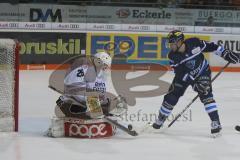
[
  {"x": 208, "y": 46},
  {"x": 74, "y": 82},
  {"x": 75, "y": 77}
]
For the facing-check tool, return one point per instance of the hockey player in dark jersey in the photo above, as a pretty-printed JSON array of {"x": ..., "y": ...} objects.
[{"x": 191, "y": 68}]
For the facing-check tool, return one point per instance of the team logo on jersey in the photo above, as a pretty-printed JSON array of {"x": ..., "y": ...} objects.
[
  {"x": 196, "y": 50},
  {"x": 190, "y": 64}
]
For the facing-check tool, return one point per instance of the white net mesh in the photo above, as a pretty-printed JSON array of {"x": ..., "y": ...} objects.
[{"x": 7, "y": 84}]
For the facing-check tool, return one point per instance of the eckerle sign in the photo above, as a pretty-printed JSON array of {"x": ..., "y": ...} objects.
[{"x": 137, "y": 13}]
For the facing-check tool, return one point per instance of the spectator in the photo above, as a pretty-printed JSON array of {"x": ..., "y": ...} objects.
[
  {"x": 210, "y": 21},
  {"x": 235, "y": 2}
]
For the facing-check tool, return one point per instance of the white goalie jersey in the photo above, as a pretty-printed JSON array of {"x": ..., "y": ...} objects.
[
  {"x": 86, "y": 77},
  {"x": 83, "y": 76}
]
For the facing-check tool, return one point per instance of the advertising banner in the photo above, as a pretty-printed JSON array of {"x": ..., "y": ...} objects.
[
  {"x": 47, "y": 47},
  {"x": 228, "y": 42},
  {"x": 118, "y": 15},
  {"x": 226, "y": 18},
  {"x": 95, "y": 14},
  {"x": 139, "y": 48}
]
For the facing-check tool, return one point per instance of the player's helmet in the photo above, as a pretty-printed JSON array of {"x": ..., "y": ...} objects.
[
  {"x": 175, "y": 36},
  {"x": 104, "y": 57}
]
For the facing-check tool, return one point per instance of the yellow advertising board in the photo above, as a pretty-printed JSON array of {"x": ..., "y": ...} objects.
[{"x": 137, "y": 47}]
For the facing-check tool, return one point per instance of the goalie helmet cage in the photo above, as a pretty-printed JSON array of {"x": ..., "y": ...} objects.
[{"x": 9, "y": 84}]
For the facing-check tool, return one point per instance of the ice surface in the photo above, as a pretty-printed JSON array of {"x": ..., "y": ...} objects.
[{"x": 187, "y": 139}]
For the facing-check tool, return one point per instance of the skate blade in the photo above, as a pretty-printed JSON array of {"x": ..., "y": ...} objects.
[
  {"x": 216, "y": 135},
  {"x": 148, "y": 128},
  {"x": 145, "y": 129}
]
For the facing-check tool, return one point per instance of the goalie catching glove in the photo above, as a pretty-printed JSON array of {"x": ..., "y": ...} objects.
[{"x": 118, "y": 106}]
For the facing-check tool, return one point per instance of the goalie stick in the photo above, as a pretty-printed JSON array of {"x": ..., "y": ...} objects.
[
  {"x": 127, "y": 129},
  {"x": 122, "y": 127}
]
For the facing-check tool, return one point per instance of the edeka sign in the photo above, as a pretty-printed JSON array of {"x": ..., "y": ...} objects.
[
  {"x": 136, "y": 46},
  {"x": 47, "y": 48},
  {"x": 40, "y": 15},
  {"x": 150, "y": 48}
]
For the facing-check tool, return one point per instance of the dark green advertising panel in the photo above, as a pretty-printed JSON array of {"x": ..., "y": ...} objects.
[{"x": 47, "y": 47}]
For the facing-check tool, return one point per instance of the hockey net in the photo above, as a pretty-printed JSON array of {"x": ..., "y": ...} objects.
[{"x": 9, "y": 73}]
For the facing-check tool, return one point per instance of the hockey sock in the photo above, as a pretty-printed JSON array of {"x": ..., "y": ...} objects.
[{"x": 211, "y": 109}]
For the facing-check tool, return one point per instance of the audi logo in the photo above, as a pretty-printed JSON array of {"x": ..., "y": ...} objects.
[
  {"x": 144, "y": 27},
  {"x": 13, "y": 25},
  {"x": 181, "y": 28},
  {"x": 74, "y": 26},
  {"x": 109, "y": 26},
  {"x": 40, "y": 25}
]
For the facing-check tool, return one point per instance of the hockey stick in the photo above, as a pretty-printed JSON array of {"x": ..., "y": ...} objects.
[
  {"x": 127, "y": 129},
  {"x": 56, "y": 90},
  {"x": 195, "y": 98}
]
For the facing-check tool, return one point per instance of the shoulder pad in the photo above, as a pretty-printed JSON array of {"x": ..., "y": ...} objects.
[{"x": 193, "y": 41}]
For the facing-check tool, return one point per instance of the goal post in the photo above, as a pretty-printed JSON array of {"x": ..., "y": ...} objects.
[{"x": 9, "y": 84}]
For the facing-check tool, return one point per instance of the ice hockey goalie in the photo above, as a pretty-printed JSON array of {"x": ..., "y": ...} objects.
[{"x": 84, "y": 102}]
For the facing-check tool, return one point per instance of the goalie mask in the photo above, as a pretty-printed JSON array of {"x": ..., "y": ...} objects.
[{"x": 103, "y": 60}]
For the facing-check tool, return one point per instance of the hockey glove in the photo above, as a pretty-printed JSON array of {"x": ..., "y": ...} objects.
[
  {"x": 202, "y": 85},
  {"x": 231, "y": 56},
  {"x": 228, "y": 55}
]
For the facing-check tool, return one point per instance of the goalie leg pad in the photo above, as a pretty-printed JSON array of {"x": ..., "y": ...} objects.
[{"x": 80, "y": 128}]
